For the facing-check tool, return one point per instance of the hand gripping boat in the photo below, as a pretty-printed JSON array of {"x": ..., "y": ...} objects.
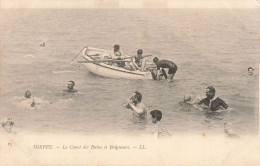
[{"x": 96, "y": 62}]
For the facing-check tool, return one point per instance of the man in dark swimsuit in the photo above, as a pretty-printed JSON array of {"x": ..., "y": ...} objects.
[
  {"x": 212, "y": 103},
  {"x": 165, "y": 64}
]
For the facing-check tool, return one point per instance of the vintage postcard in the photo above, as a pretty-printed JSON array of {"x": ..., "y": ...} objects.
[{"x": 129, "y": 82}]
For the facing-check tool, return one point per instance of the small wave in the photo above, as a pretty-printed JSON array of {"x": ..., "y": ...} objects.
[
  {"x": 60, "y": 72},
  {"x": 29, "y": 56}
]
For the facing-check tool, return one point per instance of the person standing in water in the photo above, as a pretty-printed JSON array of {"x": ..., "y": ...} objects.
[
  {"x": 212, "y": 102},
  {"x": 70, "y": 89},
  {"x": 139, "y": 61},
  {"x": 160, "y": 130},
  {"x": 250, "y": 71},
  {"x": 165, "y": 64},
  {"x": 138, "y": 108}
]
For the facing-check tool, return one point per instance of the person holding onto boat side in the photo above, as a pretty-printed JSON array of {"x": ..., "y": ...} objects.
[
  {"x": 211, "y": 102},
  {"x": 70, "y": 89},
  {"x": 138, "y": 108},
  {"x": 160, "y": 129},
  {"x": 165, "y": 64}
]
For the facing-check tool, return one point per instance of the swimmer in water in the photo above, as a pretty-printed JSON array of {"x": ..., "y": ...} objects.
[
  {"x": 70, "y": 89},
  {"x": 43, "y": 44},
  {"x": 160, "y": 130},
  {"x": 211, "y": 102},
  {"x": 250, "y": 71},
  {"x": 138, "y": 108},
  {"x": 7, "y": 124},
  {"x": 165, "y": 64},
  {"x": 28, "y": 95},
  {"x": 228, "y": 130}
]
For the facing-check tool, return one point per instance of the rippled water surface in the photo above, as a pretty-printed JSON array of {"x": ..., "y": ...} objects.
[{"x": 211, "y": 47}]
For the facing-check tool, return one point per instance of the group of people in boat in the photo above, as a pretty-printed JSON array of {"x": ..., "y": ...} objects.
[{"x": 138, "y": 62}]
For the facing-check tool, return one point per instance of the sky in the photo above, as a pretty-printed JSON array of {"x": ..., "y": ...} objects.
[{"x": 129, "y": 3}]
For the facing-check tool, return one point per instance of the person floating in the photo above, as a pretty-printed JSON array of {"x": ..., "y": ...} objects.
[
  {"x": 160, "y": 129},
  {"x": 165, "y": 64},
  {"x": 70, "y": 88},
  {"x": 138, "y": 108},
  {"x": 250, "y": 71},
  {"x": 211, "y": 102}
]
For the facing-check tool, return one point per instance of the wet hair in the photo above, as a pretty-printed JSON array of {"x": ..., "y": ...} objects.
[
  {"x": 250, "y": 68},
  {"x": 212, "y": 89},
  {"x": 138, "y": 96},
  {"x": 116, "y": 46},
  {"x": 156, "y": 114},
  {"x": 140, "y": 51},
  {"x": 155, "y": 60},
  {"x": 73, "y": 83}
]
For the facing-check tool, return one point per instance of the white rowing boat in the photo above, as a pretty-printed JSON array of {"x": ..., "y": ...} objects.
[{"x": 101, "y": 68}]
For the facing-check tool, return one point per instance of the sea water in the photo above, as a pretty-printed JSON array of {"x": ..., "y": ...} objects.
[{"x": 212, "y": 47}]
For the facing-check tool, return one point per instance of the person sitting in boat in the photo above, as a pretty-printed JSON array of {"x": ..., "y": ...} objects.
[
  {"x": 117, "y": 54},
  {"x": 211, "y": 102},
  {"x": 139, "y": 61},
  {"x": 70, "y": 89},
  {"x": 165, "y": 64}
]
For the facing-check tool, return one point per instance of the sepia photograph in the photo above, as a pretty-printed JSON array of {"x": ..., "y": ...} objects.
[{"x": 129, "y": 82}]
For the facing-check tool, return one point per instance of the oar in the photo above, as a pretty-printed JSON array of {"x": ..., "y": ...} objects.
[
  {"x": 142, "y": 56},
  {"x": 101, "y": 61},
  {"x": 77, "y": 55}
]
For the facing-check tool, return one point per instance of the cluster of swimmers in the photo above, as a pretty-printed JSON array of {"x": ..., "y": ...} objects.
[
  {"x": 139, "y": 110},
  {"x": 210, "y": 103}
]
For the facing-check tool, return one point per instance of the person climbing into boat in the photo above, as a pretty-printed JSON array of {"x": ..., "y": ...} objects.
[
  {"x": 211, "y": 102},
  {"x": 117, "y": 54},
  {"x": 138, "y": 108},
  {"x": 165, "y": 64},
  {"x": 70, "y": 89}
]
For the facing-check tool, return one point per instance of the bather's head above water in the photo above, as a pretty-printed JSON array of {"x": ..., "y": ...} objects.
[
  {"x": 71, "y": 84},
  {"x": 210, "y": 92},
  {"x": 27, "y": 94}
]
